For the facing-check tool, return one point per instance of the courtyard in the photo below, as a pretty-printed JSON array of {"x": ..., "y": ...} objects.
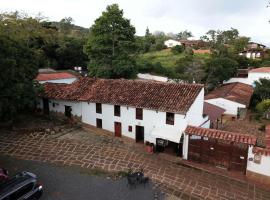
[{"x": 46, "y": 141}]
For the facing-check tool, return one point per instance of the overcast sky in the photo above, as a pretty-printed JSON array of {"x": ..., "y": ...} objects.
[{"x": 250, "y": 17}]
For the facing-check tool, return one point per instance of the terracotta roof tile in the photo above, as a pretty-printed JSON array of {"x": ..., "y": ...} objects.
[
  {"x": 222, "y": 135},
  {"x": 260, "y": 70},
  {"x": 214, "y": 112},
  {"x": 170, "y": 97},
  {"x": 261, "y": 151},
  {"x": 238, "y": 92},
  {"x": 54, "y": 76}
]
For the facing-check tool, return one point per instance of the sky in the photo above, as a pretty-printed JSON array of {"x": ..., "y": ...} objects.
[{"x": 250, "y": 17}]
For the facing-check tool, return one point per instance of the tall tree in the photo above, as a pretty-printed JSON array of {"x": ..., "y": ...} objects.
[
  {"x": 18, "y": 66},
  {"x": 184, "y": 35},
  {"x": 219, "y": 69},
  {"x": 111, "y": 45}
]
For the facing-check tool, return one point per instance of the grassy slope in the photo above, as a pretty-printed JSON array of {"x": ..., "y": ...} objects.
[{"x": 166, "y": 57}]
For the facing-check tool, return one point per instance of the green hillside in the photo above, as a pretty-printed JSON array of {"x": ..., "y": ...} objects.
[{"x": 166, "y": 58}]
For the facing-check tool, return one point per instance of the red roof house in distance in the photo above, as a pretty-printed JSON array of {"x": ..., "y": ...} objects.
[
  {"x": 232, "y": 97},
  {"x": 57, "y": 77}
]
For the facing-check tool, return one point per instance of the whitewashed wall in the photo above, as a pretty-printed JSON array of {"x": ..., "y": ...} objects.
[
  {"x": 151, "y": 119},
  {"x": 59, "y": 106},
  {"x": 67, "y": 81},
  {"x": 238, "y": 80},
  {"x": 253, "y": 76},
  {"x": 171, "y": 43},
  {"x": 262, "y": 168},
  {"x": 194, "y": 116},
  {"x": 231, "y": 107}
]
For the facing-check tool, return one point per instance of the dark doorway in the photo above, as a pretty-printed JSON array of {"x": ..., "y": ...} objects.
[
  {"x": 140, "y": 134},
  {"x": 68, "y": 110},
  {"x": 117, "y": 129},
  {"x": 99, "y": 123},
  {"x": 46, "y": 109}
]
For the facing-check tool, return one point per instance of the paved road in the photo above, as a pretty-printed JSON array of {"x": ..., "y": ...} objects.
[{"x": 70, "y": 183}]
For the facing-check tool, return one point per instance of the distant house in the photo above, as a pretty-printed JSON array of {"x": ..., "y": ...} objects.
[
  {"x": 193, "y": 43},
  {"x": 254, "y": 50},
  {"x": 249, "y": 76},
  {"x": 171, "y": 43},
  {"x": 56, "y": 77},
  {"x": 234, "y": 98}
]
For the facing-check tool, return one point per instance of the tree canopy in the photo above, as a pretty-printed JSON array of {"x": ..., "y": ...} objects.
[{"x": 111, "y": 45}]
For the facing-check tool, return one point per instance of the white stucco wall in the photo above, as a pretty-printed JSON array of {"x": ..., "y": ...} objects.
[
  {"x": 151, "y": 119},
  {"x": 231, "y": 107},
  {"x": 59, "y": 106},
  {"x": 254, "y": 76},
  {"x": 262, "y": 168},
  {"x": 238, "y": 80},
  {"x": 152, "y": 77},
  {"x": 67, "y": 81},
  {"x": 194, "y": 116},
  {"x": 171, "y": 43}
]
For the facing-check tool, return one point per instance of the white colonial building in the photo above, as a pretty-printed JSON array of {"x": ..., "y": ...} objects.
[
  {"x": 253, "y": 75},
  {"x": 145, "y": 111},
  {"x": 171, "y": 43}
]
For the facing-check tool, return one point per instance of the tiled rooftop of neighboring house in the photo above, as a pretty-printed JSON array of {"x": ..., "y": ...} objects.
[
  {"x": 54, "y": 76},
  {"x": 260, "y": 70},
  {"x": 169, "y": 97},
  {"x": 221, "y": 135},
  {"x": 214, "y": 112},
  {"x": 237, "y": 92}
]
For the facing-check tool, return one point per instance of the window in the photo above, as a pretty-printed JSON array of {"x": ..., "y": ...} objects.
[
  {"x": 139, "y": 113},
  {"x": 170, "y": 118},
  {"x": 98, "y": 108},
  {"x": 129, "y": 128},
  {"x": 117, "y": 111},
  {"x": 99, "y": 123}
]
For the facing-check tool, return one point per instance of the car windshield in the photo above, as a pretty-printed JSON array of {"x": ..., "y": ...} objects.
[{"x": 18, "y": 178}]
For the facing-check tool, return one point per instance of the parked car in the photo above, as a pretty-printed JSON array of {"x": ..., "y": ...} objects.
[
  {"x": 3, "y": 175},
  {"x": 23, "y": 186}
]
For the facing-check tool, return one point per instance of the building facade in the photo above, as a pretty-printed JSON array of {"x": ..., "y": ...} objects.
[{"x": 99, "y": 102}]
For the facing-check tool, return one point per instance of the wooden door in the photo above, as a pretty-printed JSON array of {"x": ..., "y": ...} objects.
[
  {"x": 46, "y": 108},
  {"x": 117, "y": 129},
  {"x": 139, "y": 134}
]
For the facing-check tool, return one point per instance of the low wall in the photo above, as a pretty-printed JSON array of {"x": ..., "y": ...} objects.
[{"x": 258, "y": 166}]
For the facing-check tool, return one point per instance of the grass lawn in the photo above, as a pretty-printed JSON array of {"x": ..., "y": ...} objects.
[{"x": 166, "y": 57}]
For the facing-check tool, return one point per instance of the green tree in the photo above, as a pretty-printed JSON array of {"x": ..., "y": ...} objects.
[
  {"x": 261, "y": 90},
  {"x": 263, "y": 106},
  {"x": 177, "y": 49},
  {"x": 111, "y": 45},
  {"x": 184, "y": 35},
  {"x": 219, "y": 69},
  {"x": 18, "y": 66}
]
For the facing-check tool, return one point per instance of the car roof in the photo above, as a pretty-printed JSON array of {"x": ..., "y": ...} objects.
[{"x": 16, "y": 182}]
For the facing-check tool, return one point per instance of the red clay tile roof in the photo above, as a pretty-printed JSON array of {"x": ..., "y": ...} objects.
[
  {"x": 214, "y": 112},
  {"x": 261, "y": 151},
  {"x": 54, "y": 76},
  {"x": 64, "y": 91},
  {"x": 261, "y": 70},
  {"x": 170, "y": 97},
  {"x": 238, "y": 92},
  {"x": 221, "y": 135}
]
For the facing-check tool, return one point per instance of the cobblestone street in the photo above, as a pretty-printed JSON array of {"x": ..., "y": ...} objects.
[{"x": 114, "y": 154}]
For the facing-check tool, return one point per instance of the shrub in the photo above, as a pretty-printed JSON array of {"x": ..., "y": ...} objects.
[{"x": 177, "y": 49}]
